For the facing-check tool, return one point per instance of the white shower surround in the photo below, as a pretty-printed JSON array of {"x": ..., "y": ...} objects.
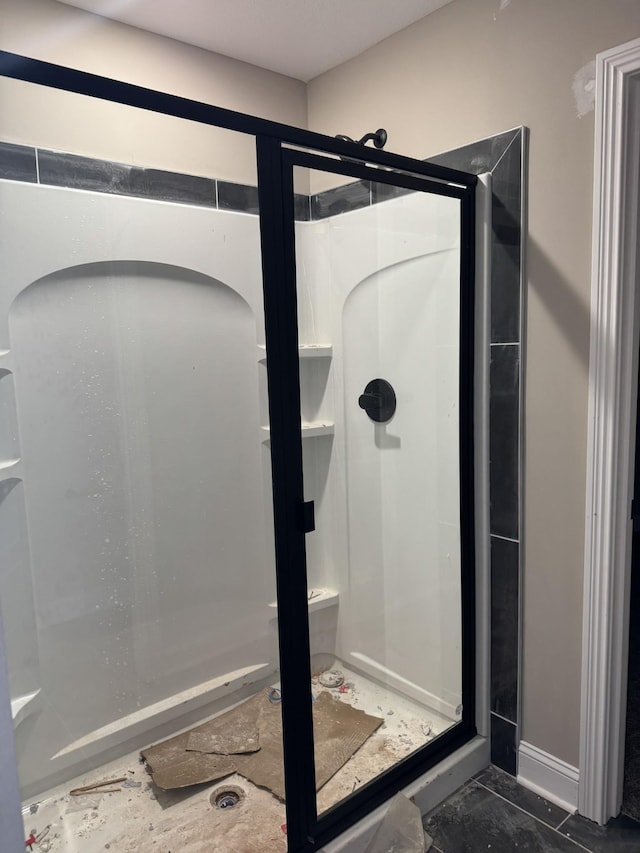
[
  {"x": 382, "y": 284},
  {"x": 188, "y": 281}
]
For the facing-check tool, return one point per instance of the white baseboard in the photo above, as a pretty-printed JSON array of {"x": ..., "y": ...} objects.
[{"x": 548, "y": 776}]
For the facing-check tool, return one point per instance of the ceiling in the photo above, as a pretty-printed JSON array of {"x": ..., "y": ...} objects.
[{"x": 299, "y": 38}]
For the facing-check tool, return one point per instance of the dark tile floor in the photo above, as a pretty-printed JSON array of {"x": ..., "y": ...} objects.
[{"x": 492, "y": 812}]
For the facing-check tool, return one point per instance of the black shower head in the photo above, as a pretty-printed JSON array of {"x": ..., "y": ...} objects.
[{"x": 379, "y": 138}]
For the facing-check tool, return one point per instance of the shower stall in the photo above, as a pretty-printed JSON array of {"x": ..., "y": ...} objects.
[{"x": 237, "y": 452}]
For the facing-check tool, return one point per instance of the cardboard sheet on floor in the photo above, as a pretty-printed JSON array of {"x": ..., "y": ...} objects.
[
  {"x": 218, "y": 737},
  {"x": 339, "y": 731}
]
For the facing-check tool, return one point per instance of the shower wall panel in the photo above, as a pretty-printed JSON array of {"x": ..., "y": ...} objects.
[
  {"x": 383, "y": 290},
  {"x": 131, "y": 330}
]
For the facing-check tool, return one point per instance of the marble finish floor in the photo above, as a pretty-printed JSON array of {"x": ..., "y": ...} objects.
[{"x": 492, "y": 812}]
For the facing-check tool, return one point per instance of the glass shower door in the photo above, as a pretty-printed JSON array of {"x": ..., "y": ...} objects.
[
  {"x": 137, "y": 579},
  {"x": 383, "y": 302}
]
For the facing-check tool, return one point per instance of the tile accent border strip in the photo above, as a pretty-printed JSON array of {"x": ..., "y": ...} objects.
[
  {"x": 548, "y": 776},
  {"x": 60, "y": 169},
  {"x": 18, "y": 162}
]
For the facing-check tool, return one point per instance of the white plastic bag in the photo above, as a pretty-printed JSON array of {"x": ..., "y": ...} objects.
[{"x": 401, "y": 830}]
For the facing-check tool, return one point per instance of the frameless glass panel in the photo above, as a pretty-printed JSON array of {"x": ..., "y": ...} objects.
[
  {"x": 378, "y": 277},
  {"x": 137, "y": 581}
]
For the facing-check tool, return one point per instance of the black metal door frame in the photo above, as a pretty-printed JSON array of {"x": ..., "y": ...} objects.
[
  {"x": 276, "y": 164},
  {"x": 276, "y": 161}
]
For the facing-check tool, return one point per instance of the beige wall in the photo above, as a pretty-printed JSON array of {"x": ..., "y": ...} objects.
[
  {"x": 467, "y": 71},
  {"x": 51, "y": 31}
]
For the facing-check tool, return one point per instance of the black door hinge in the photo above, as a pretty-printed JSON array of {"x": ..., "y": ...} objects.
[{"x": 306, "y": 517}]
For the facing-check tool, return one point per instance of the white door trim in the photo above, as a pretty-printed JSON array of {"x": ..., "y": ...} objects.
[{"x": 613, "y": 382}]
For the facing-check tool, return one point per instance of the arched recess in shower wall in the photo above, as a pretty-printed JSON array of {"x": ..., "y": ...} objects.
[{"x": 207, "y": 525}]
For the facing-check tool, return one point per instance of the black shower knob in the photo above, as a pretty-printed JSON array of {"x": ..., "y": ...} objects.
[{"x": 378, "y": 400}]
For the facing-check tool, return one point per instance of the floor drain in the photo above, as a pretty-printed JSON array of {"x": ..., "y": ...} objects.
[
  {"x": 226, "y": 798},
  {"x": 331, "y": 678}
]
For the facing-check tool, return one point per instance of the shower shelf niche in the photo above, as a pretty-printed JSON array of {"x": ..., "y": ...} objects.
[
  {"x": 306, "y": 353},
  {"x": 319, "y": 599}
]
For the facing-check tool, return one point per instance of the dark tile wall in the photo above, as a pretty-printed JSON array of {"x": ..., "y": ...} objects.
[
  {"x": 18, "y": 162},
  {"x": 341, "y": 200},
  {"x": 384, "y": 192},
  {"x": 505, "y": 259},
  {"x": 504, "y": 744},
  {"x": 86, "y": 173},
  {"x": 504, "y": 627},
  {"x": 54, "y": 168},
  {"x": 502, "y": 156},
  {"x": 105, "y": 176},
  {"x": 478, "y": 157},
  {"x": 504, "y": 444},
  {"x": 59, "y": 169},
  {"x": 238, "y": 197}
]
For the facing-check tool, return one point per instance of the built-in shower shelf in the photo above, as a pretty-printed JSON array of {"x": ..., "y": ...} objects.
[
  {"x": 24, "y": 706},
  {"x": 313, "y": 430},
  {"x": 9, "y": 468},
  {"x": 308, "y": 430},
  {"x": 315, "y": 351},
  {"x": 304, "y": 351},
  {"x": 318, "y": 599},
  {"x": 167, "y": 710}
]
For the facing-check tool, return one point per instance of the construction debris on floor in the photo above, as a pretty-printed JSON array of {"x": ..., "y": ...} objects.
[
  {"x": 119, "y": 807},
  {"x": 248, "y": 740}
]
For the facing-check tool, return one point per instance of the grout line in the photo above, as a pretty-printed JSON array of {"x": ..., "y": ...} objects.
[
  {"x": 506, "y": 720},
  {"x": 532, "y": 816},
  {"x": 505, "y": 343},
  {"x": 37, "y": 159},
  {"x": 569, "y": 838},
  {"x": 505, "y": 538},
  {"x": 513, "y": 139},
  {"x": 573, "y": 841},
  {"x": 564, "y": 820}
]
